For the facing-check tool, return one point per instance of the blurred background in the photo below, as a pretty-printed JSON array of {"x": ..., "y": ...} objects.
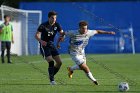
[{"x": 121, "y": 16}]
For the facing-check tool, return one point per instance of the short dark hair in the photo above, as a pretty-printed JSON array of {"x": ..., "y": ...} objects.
[
  {"x": 52, "y": 13},
  {"x": 6, "y": 16},
  {"x": 83, "y": 23}
]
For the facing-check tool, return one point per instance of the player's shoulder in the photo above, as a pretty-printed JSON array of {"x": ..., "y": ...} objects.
[
  {"x": 57, "y": 23},
  {"x": 10, "y": 23},
  {"x": 91, "y": 32}
]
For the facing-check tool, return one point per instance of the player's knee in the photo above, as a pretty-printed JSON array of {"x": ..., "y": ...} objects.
[
  {"x": 51, "y": 64},
  {"x": 49, "y": 58},
  {"x": 84, "y": 67},
  {"x": 59, "y": 64}
]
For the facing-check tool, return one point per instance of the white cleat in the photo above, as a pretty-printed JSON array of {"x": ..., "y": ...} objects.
[{"x": 52, "y": 83}]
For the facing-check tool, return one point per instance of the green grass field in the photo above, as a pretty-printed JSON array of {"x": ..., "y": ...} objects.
[{"x": 28, "y": 74}]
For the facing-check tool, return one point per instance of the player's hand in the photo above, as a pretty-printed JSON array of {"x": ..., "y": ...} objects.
[
  {"x": 58, "y": 46},
  {"x": 43, "y": 43},
  {"x": 0, "y": 31},
  {"x": 113, "y": 33},
  {"x": 61, "y": 39},
  {"x": 12, "y": 41}
]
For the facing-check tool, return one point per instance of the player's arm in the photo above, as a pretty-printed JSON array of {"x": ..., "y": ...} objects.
[
  {"x": 61, "y": 38},
  {"x": 61, "y": 32},
  {"x": 12, "y": 37},
  {"x": 1, "y": 29},
  {"x": 12, "y": 34},
  {"x": 104, "y": 32},
  {"x": 61, "y": 35},
  {"x": 37, "y": 36}
]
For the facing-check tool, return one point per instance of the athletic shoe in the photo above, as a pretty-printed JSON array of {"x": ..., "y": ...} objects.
[
  {"x": 9, "y": 62},
  {"x": 69, "y": 72},
  {"x": 95, "y": 82},
  {"x": 52, "y": 83}
]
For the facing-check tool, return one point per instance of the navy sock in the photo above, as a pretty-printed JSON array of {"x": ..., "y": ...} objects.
[
  {"x": 56, "y": 70},
  {"x": 51, "y": 70}
]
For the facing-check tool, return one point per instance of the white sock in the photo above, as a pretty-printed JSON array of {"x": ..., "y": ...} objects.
[
  {"x": 75, "y": 67},
  {"x": 90, "y": 76}
]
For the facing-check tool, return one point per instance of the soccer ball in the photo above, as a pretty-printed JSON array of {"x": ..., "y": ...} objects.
[{"x": 123, "y": 86}]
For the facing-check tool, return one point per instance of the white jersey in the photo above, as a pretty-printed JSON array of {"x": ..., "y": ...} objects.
[{"x": 79, "y": 41}]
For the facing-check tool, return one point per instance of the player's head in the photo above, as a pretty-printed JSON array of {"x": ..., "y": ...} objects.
[
  {"x": 52, "y": 15},
  {"x": 7, "y": 18},
  {"x": 83, "y": 27}
]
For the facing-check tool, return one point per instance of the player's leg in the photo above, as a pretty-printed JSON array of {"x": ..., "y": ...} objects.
[
  {"x": 56, "y": 57},
  {"x": 8, "y": 47},
  {"x": 46, "y": 53},
  {"x": 3, "y": 46},
  {"x": 50, "y": 68},
  {"x": 76, "y": 67},
  {"x": 86, "y": 69},
  {"x": 58, "y": 63},
  {"x": 75, "y": 57},
  {"x": 71, "y": 70}
]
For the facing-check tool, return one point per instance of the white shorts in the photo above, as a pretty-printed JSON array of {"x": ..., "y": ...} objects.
[{"x": 78, "y": 58}]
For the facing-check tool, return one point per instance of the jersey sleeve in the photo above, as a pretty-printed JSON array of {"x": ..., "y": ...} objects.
[
  {"x": 40, "y": 28},
  {"x": 92, "y": 32}
]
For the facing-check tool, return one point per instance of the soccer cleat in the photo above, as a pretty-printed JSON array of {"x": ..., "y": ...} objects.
[
  {"x": 69, "y": 72},
  {"x": 52, "y": 83},
  {"x": 9, "y": 62},
  {"x": 95, "y": 82}
]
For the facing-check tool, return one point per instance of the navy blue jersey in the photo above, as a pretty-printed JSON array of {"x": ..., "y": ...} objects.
[{"x": 48, "y": 32}]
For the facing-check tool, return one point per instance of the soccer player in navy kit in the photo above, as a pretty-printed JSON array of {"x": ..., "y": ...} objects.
[{"x": 48, "y": 30}]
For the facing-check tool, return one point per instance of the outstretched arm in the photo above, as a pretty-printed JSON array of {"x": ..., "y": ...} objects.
[{"x": 105, "y": 32}]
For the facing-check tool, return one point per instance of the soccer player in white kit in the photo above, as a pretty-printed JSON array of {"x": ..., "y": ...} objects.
[{"x": 78, "y": 41}]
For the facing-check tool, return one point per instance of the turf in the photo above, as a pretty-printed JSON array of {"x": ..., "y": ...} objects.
[{"x": 28, "y": 74}]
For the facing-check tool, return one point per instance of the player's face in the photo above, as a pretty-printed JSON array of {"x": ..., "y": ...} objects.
[
  {"x": 52, "y": 19},
  {"x": 7, "y": 19},
  {"x": 83, "y": 29}
]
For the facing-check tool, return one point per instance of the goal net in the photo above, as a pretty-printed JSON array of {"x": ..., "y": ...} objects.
[{"x": 25, "y": 23}]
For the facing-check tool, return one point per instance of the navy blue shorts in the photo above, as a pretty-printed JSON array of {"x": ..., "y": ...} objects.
[
  {"x": 48, "y": 50},
  {"x": 5, "y": 45}
]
